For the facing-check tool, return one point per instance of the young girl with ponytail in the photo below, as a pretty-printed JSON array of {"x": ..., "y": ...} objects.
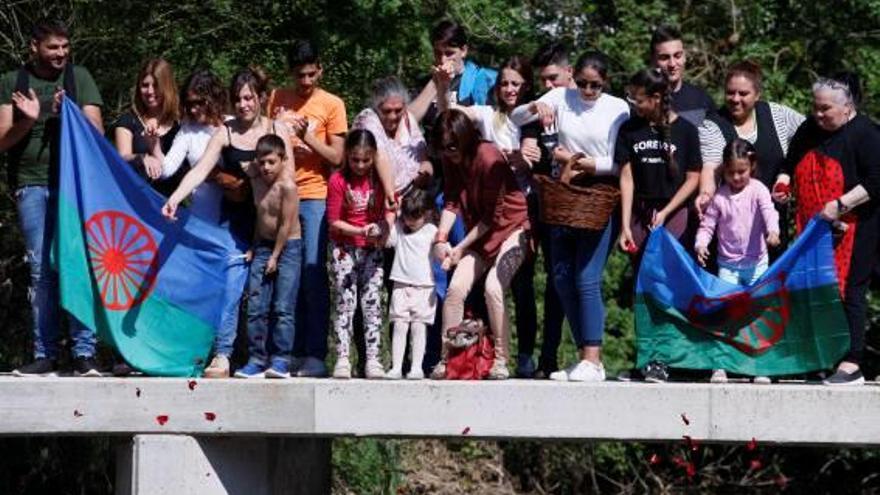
[{"x": 660, "y": 163}]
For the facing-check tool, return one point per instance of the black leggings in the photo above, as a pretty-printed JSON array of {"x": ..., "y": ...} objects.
[{"x": 855, "y": 297}]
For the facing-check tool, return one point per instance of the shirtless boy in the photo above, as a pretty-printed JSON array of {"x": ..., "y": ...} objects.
[{"x": 276, "y": 259}]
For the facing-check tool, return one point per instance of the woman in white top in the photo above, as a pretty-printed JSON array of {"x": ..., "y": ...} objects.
[
  {"x": 587, "y": 120},
  {"x": 204, "y": 99}
]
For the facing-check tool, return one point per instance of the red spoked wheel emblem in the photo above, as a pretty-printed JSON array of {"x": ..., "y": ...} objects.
[
  {"x": 751, "y": 321},
  {"x": 122, "y": 253}
]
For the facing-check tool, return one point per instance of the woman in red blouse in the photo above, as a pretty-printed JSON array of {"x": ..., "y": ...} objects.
[{"x": 481, "y": 187}]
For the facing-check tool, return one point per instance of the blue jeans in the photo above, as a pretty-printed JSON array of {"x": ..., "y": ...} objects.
[
  {"x": 579, "y": 257},
  {"x": 746, "y": 275},
  {"x": 224, "y": 340},
  {"x": 272, "y": 302},
  {"x": 313, "y": 317},
  {"x": 37, "y": 213}
]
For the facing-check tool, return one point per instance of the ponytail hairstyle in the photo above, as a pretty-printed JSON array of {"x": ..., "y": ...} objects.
[
  {"x": 740, "y": 149},
  {"x": 747, "y": 69},
  {"x": 656, "y": 82},
  {"x": 361, "y": 138},
  {"x": 253, "y": 77}
]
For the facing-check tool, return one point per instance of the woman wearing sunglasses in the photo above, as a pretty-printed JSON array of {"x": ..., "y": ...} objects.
[{"x": 587, "y": 120}]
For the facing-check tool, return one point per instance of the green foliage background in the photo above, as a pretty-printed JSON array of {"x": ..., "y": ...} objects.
[{"x": 362, "y": 40}]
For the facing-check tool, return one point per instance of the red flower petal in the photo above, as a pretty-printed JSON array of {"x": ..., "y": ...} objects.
[
  {"x": 191, "y": 384},
  {"x": 77, "y": 414},
  {"x": 210, "y": 416},
  {"x": 691, "y": 470},
  {"x": 685, "y": 419},
  {"x": 756, "y": 464},
  {"x": 752, "y": 445},
  {"x": 137, "y": 391},
  {"x": 655, "y": 459},
  {"x": 466, "y": 430},
  {"x": 162, "y": 419}
]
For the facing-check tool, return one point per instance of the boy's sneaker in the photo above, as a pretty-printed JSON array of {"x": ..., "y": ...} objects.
[
  {"x": 439, "y": 371},
  {"x": 656, "y": 372},
  {"x": 499, "y": 371},
  {"x": 40, "y": 367},
  {"x": 525, "y": 366},
  {"x": 762, "y": 380},
  {"x": 394, "y": 374},
  {"x": 85, "y": 366},
  {"x": 719, "y": 376},
  {"x": 219, "y": 367},
  {"x": 841, "y": 377},
  {"x": 251, "y": 370},
  {"x": 415, "y": 374},
  {"x": 279, "y": 369},
  {"x": 374, "y": 370},
  {"x": 121, "y": 369},
  {"x": 342, "y": 369},
  {"x": 312, "y": 367}
]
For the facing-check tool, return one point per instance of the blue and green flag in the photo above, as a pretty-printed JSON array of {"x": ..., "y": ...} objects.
[
  {"x": 152, "y": 288},
  {"x": 789, "y": 321}
]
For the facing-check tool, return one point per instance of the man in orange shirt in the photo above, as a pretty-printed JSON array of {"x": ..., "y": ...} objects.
[{"x": 319, "y": 124}]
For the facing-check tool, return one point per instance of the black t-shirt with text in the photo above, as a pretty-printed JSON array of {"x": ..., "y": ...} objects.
[{"x": 639, "y": 143}]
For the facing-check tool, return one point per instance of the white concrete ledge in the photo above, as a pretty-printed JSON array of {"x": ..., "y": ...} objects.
[{"x": 788, "y": 413}]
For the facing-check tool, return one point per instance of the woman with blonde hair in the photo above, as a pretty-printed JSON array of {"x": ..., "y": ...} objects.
[{"x": 151, "y": 122}]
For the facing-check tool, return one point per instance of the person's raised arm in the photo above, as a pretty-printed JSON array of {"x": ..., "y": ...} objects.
[
  {"x": 420, "y": 104},
  {"x": 197, "y": 174}
]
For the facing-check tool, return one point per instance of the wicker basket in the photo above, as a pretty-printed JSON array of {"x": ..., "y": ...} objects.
[{"x": 575, "y": 206}]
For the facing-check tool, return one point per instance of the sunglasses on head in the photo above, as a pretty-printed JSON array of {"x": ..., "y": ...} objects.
[
  {"x": 584, "y": 84},
  {"x": 197, "y": 102}
]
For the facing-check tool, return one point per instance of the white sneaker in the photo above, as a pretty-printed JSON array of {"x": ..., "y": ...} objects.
[
  {"x": 439, "y": 371},
  {"x": 762, "y": 380},
  {"x": 582, "y": 371},
  {"x": 718, "y": 376},
  {"x": 587, "y": 371},
  {"x": 374, "y": 369},
  {"x": 342, "y": 369},
  {"x": 415, "y": 374},
  {"x": 394, "y": 374},
  {"x": 219, "y": 367},
  {"x": 499, "y": 370}
]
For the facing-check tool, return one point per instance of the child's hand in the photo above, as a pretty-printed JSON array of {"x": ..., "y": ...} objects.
[
  {"x": 442, "y": 250},
  {"x": 452, "y": 259},
  {"x": 372, "y": 231},
  {"x": 249, "y": 255},
  {"x": 271, "y": 265},
  {"x": 781, "y": 192},
  {"x": 702, "y": 255},
  {"x": 659, "y": 219},
  {"x": 773, "y": 239}
]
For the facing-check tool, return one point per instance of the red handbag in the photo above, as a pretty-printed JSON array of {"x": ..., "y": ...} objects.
[{"x": 471, "y": 351}]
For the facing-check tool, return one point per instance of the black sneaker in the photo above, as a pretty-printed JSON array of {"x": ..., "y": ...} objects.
[
  {"x": 122, "y": 369},
  {"x": 841, "y": 377},
  {"x": 40, "y": 367},
  {"x": 656, "y": 372},
  {"x": 85, "y": 366}
]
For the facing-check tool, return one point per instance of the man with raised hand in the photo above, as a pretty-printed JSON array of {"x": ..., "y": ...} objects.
[{"x": 30, "y": 134}]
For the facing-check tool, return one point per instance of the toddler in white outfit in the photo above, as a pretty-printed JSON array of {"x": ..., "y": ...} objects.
[{"x": 413, "y": 300}]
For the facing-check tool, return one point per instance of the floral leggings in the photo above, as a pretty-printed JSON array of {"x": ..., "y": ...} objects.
[{"x": 357, "y": 270}]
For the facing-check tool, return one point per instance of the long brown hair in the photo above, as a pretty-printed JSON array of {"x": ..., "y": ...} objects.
[{"x": 163, "y": 77}]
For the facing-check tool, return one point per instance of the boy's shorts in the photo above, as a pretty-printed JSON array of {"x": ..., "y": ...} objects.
[{"x": 410, "y": 303}]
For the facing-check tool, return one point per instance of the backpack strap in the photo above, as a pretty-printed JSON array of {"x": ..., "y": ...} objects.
[{"x": 70, "y": 82}]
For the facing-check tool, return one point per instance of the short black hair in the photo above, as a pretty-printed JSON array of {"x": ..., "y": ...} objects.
[
  {"x": 416, "y": 203},
  {"x": 449, "y": 32},
  {"x": 662, "y": 34},
  {"x": 302, "y": 52},
  {"x": 49, "y": 27},
  {"x": 270, "y": 143},
  {"x": 554, "y": 53}
]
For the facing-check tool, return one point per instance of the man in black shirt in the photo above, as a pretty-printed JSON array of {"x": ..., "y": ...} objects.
[{"x": 668, "y": 54}]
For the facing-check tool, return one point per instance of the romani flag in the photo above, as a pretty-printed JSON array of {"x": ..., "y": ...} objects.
[
  {"x": 151, "y": 288},
  {"x": 790, "y": 321}
]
